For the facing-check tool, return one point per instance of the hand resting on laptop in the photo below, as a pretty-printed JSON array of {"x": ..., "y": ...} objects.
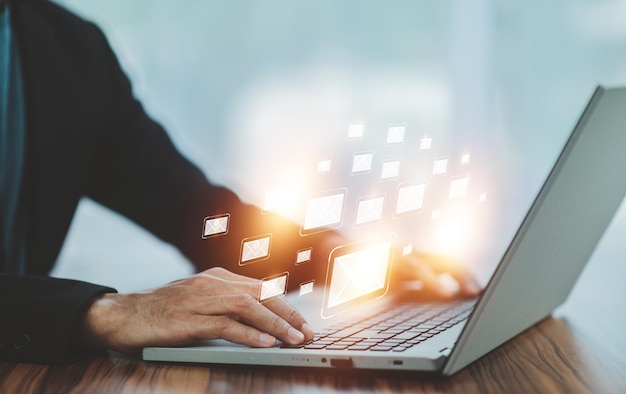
[
  {"x": 427, "y": 269},
  {"x": 217, "y": 303}
]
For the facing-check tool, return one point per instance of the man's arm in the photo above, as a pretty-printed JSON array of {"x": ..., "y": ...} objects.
[{"x": 114, "y": 153}]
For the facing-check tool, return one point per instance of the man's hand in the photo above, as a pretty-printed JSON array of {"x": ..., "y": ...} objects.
[
  {"x": 430, "y": 271},
  {"x": 213, "y": 304}
]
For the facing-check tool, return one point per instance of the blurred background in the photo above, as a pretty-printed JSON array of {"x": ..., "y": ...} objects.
[{"x": 245, "y": 87}]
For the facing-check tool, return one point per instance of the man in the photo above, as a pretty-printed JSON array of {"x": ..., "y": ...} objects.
[{"x": 70, "y": 128}]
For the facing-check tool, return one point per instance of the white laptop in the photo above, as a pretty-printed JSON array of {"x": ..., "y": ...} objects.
[{"x": 535, "y": 275}]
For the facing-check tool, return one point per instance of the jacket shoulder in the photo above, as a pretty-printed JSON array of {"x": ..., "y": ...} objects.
[{"x": 55, "y": 21}]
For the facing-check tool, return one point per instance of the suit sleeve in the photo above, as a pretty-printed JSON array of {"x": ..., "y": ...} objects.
[
  {"x": 38, "y": 317},
  {"x": 140, "y": 174}
]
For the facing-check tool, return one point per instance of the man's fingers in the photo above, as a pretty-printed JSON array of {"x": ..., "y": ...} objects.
[
  {"x": 219, "y": 272},
  {"x": 237, "y": 284},
  {"x": 246, "y": 308},
  {"x": 468, "y": 285},
  {"x": 430, "y": 279},
  {"x": 282, "y": 308},
  {"x": 433, "y": 264},
  {"x": 231, "y": 330}
]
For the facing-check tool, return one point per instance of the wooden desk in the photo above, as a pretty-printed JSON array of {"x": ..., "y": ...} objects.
[{"x": 581, "y": 349}]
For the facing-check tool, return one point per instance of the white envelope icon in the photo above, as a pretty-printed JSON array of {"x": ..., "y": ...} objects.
[
  {"x": 458, "y": 187},
  {"x": 370, "y": 210},
  {"x": 273, "y": 286},
  {"x": 323, "y": 211},
  {"x": 306, "y": 288},
  {"x": 391, "y": 169},
  {"x": 410, "y": 198},
  {"x": 440, "y": 166},
  {"x": 215, "y": 225},
  {"x": 426, "y": 143},
  {"x": 362, "y": 162},
  {"x": 358, "y": 273},
  {"x": 355, "y": 130},
  {"x": 303, "y": 256},
  {"x": 324, "y": 165},
  {"x": 257, "y": 248},
  {"x": 395, "y": 134}
]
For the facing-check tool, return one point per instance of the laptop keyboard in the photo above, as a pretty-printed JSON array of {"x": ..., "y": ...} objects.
[{"x": 394, "y": 331}]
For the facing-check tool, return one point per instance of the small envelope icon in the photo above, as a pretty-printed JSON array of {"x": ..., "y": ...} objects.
[
  {"x": 370, "y": 210},
  {"x": 391, "y": 169},
  {"x": 273, "y": 286},
  {"x": 324, "y": 211},
  {"x": 395, "y": 134},
  {"x": 355, "y": 130},
  {"x": 253, "y": 249},
  {"x": 440, "y": 166},
  {"x": 303, "y": 256},
  {"x": 324, "y": 165},
  {"x": 306, "y": 288},
  {"x": 215, "y": 225},
  {"x": 362, "y": 162},
  {"x": 458, "y": 187},
  {"x": 410, "y": 198}
]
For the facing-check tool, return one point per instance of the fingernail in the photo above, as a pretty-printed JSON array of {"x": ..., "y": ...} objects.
[
  {"x": 295, "y": 336},
  {"x": 267, "y": 339},
  {"x": 307, "y": 331}
]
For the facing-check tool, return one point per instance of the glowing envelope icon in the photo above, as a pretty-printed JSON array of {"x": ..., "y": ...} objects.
[
  {"x": 410, "y": 198},
  {"x": 370, "y": 210},
  {"x": 391, "y": 169},
  {"x": 303, "y": 256},
  {"x": 362, "y": 162},
  {"x": 440, "y": 166},
  {"x": 358, "y": 273},
  {"x": 215, "y": 225},
  {"x": 324, "y": 211},
  {"x": 355, "y": 130},
  {"x": 273, "y": 286},
  {"x": 254, "y": 249},
  {"x": 458, "y": 188},
  {"x": 395, "y": 134},
  {"x": 323, "y": 165},
  {"x": 306, "y": 288}
]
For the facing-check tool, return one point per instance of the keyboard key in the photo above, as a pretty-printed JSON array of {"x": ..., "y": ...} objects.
[
  {"x": 336, "y": 347},
  {"x": 380, "y": 348},
  {"x": 407, "y": 335},
  {"x": 359, "y": 347}
]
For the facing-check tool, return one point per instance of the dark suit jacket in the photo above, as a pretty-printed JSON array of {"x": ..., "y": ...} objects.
[{"x": 87, "y": 136}]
